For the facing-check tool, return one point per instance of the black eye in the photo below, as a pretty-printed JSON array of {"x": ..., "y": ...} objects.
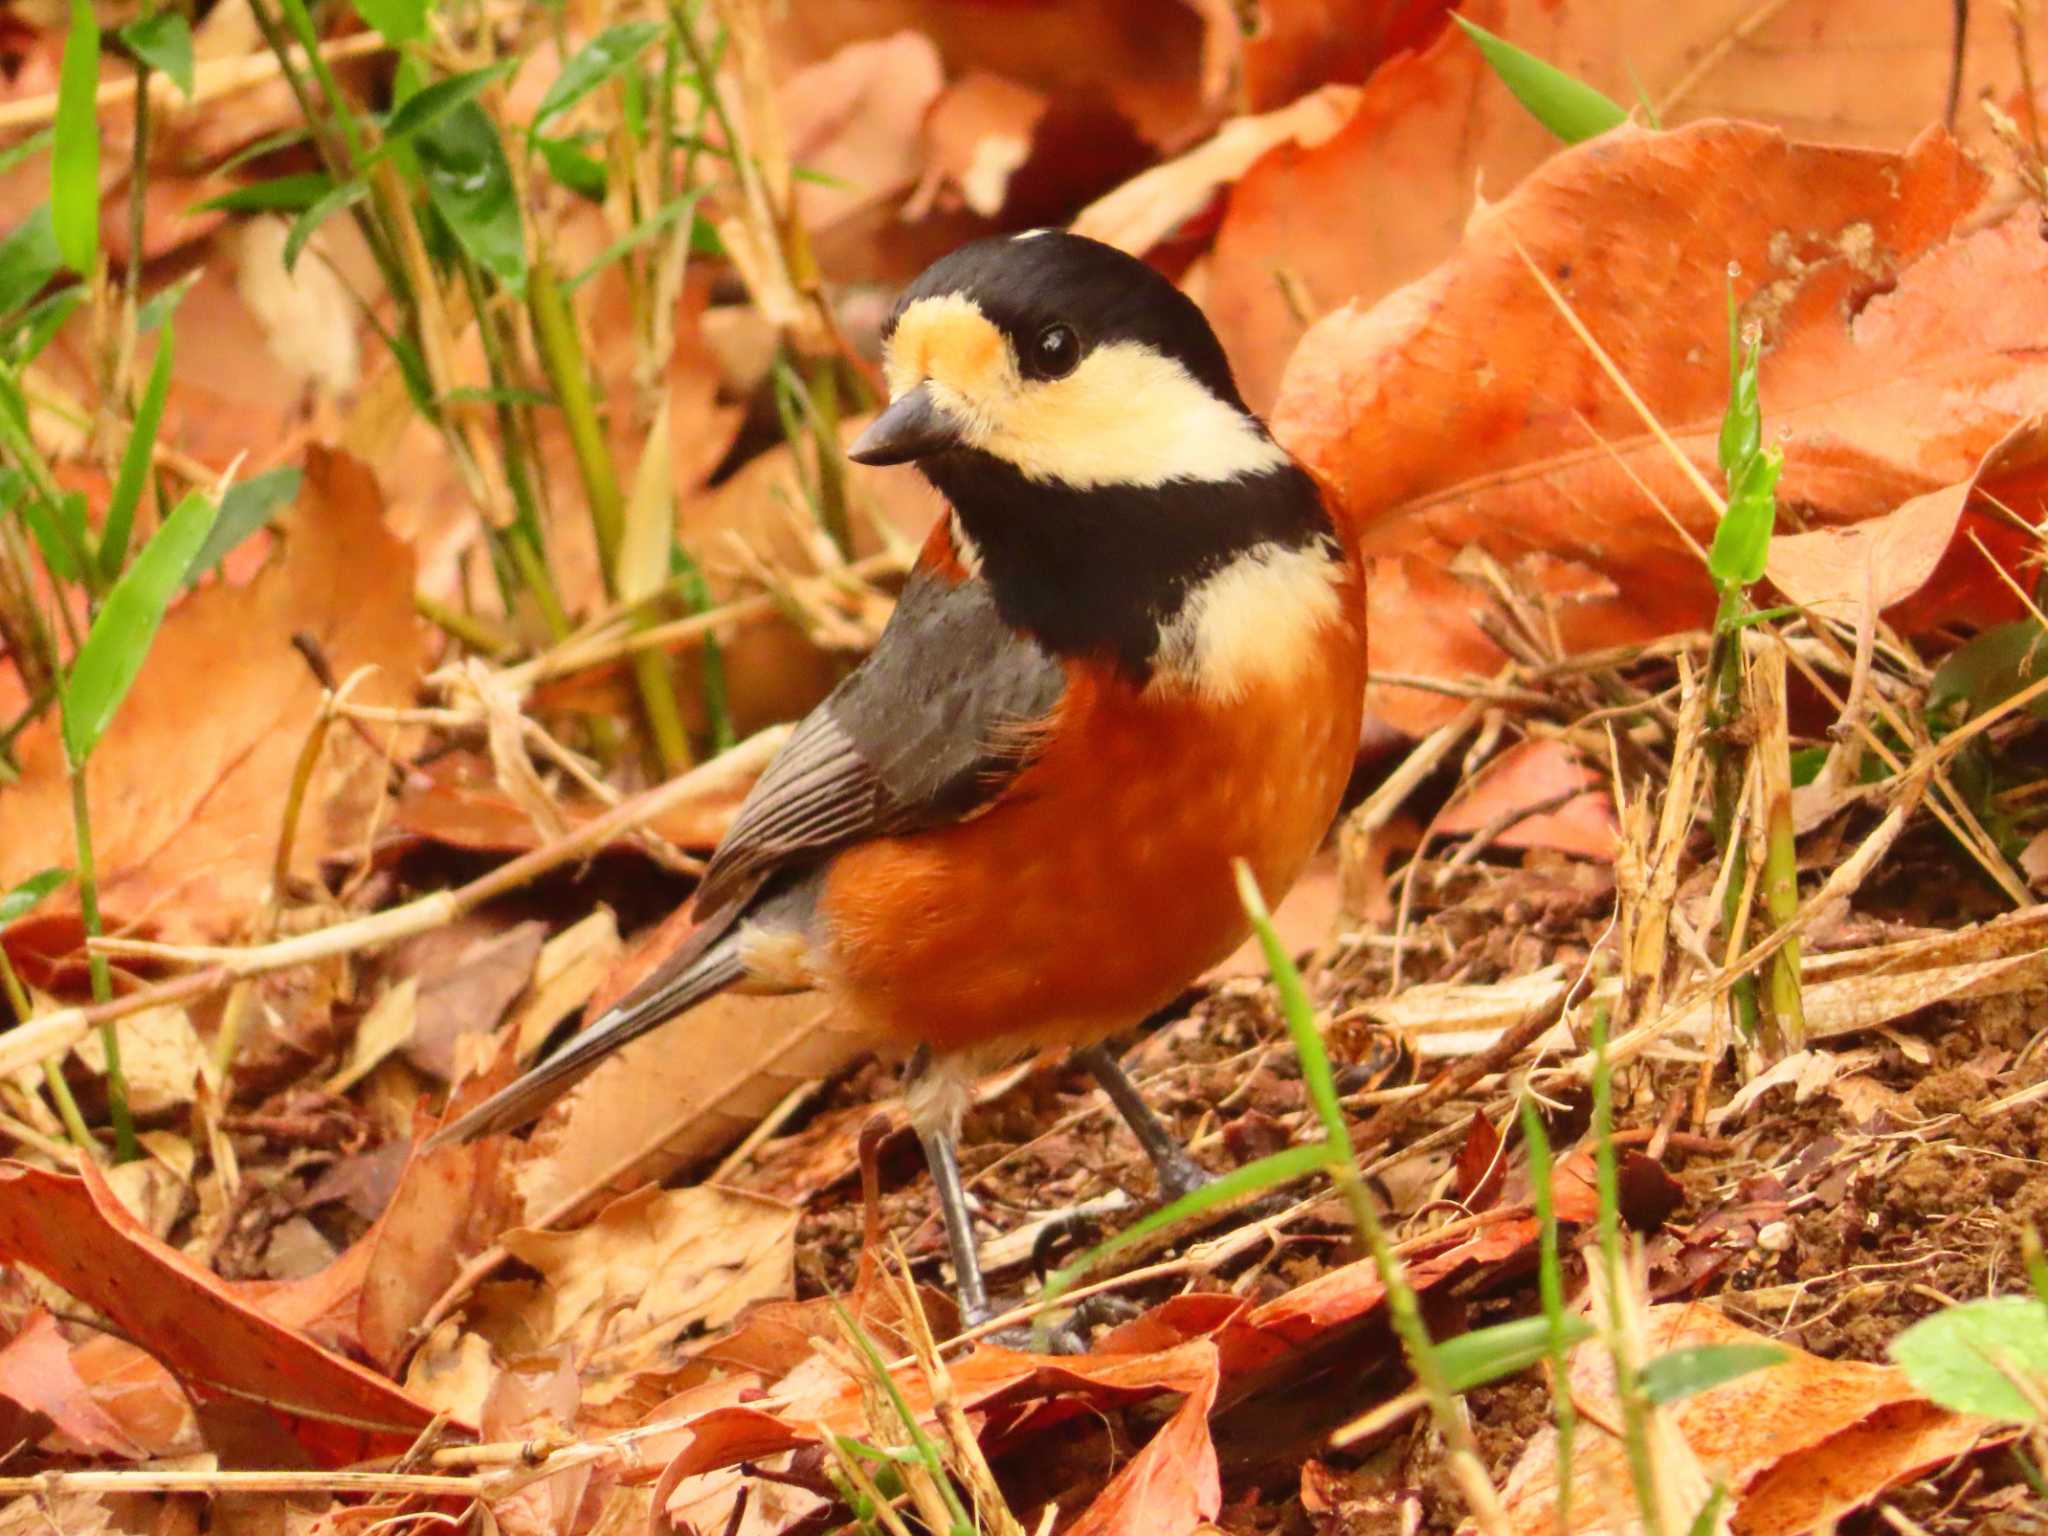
[{"x": 1055, "y": 352}]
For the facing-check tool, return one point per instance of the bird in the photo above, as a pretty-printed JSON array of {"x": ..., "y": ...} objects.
[{"x": 1130, "y": 652}]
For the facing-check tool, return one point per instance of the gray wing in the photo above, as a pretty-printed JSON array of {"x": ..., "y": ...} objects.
[{"x": 931, "y": 726}]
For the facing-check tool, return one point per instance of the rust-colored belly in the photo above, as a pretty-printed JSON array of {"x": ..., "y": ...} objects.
[{"x": 1100, "y": 884}]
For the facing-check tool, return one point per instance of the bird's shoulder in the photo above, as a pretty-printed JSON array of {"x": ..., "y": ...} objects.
[{"x": 927, "y": 730}]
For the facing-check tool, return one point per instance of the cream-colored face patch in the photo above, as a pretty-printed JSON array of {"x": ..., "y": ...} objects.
[
  {"x": 1125, "y": 416},
  {"x": 1255, "y": 621}
]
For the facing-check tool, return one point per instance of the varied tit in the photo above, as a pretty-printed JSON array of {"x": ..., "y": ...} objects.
[{"x": 1130, "y": 653}]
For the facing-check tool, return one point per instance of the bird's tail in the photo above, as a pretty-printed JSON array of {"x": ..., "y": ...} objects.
[{"x": 712, "y": 971}]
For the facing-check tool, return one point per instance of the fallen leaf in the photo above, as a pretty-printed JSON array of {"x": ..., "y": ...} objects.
[
  {"x": 976, "y": 135},
  {"x": 653, "y": 1265},
  {"x": 1436, "y": 136},
  {"x": 1798, "y": 1445},
  {"x": 226, "y": 699},
  {"x": 1529, "y": 774},
  {"x": 387, "y": 1027},
  {"x": 470, "y": 996},
  {"x": 36, "y": 1372},
  {"x": 1147, "y": 210},
  {"x": 74, "y": 1231},
  {"x": 1899, "y": 349},
  {"x": 571, "y": 967},
  {"x": 161, "y": 1056},
  {"x": 854, "y": 119},
  {"x": 1301, "y": 44}
]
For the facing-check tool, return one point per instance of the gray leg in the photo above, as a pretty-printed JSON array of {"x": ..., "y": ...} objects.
[
  {"x": 1178, "y": 1173},
  {"x": 967, "y": 1281}
]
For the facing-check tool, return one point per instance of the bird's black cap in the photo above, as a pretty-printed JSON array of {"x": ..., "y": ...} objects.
[{"x": 1024, "y": 283}]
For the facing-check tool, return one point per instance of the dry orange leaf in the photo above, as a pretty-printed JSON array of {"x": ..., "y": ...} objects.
[
  {"x": 36, "y": 1371},
  {"x": 76, "y": 1231},
  {"x": 188, "y": 786},
  {"x": 1899, "y": 348},
  {"x": 1798, "y": 1445},
  {"x": 1387, "y": 198}
]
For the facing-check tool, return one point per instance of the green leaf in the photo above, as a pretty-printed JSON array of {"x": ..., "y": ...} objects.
[
  {"x": 1569, "y": 108},
  {"x": 1682, "y": 1373},
  {"x": 75, "y": 156},
  {"x": 1959, "y": 1356},
  {"x": 430, "y": 104},
  {"x": 1806, "y": 765},
  {"x": 470, "y": 185},
  {"x": 246, "y": 508},
  {"x": 134, "y": 472},
  {"x": 15, "y": 155},
  {"x": 25, "y": 897},
  {"x": 164, "y": 303},
  {"x": 59, "y": 553},
  {"x": 347, "y": 195},
  {"x": 609, "y": 53},
  {"x": 396, "y": 21},
  {"x": 29, "y": 258},
  {"x": 569, "y": 165},
  {"x": 1986, "y": 671},
  {"x": 1708, "y": 1520},
  {"x": 269, "y": 144},
  {"x": 164, "y": 43},
  {"x": 1743, "y": 539},
  {"x": 280, "y": 192},
  {"x": 125, "y": 627},
  {"x": 1504, "y": 1349},
  {"x": 31, "y": 331}
]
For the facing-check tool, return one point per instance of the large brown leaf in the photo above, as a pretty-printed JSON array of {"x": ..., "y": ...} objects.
[{"x": 1902, "y": 341}]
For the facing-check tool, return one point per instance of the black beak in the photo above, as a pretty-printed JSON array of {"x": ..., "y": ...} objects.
[{"x": 909, "y": 429}]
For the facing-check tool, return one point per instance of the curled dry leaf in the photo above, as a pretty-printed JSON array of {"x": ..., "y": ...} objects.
[
  {"x": 226, "y": 699},
  {"x": 1798, "y": 1445},
  {"x": 855, "y": 118},
  {"x": 1505, "y": 797},
  {"x": 1900, "y": 347},
  {"x": 76, "y": 1232},
  {"x": 1435, "y": 134}
]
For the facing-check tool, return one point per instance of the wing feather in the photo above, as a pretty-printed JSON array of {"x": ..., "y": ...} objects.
[{"x": 933, "y": 725}]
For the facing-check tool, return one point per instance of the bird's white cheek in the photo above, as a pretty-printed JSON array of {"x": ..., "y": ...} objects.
[{"x": 1254, "y": 622}]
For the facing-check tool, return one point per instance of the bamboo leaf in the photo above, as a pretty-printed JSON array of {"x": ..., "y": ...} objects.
[
  {"x": 430, "y": 104},
  {"x": 246, "y": 507},
  {"x": 1569, "y": 108},
  {"x": 343, "y": 196},
  {"x": 281, "y": 193},
  {"x": 164, "y": 43},
  {"x": 396, "y": 21},
  {"x": 1682, "y": 1373},
  {"x": 29, "y": 258},
  {"x": 25, "y": 897},
  {"x": 608, "y": 54},
  {"x": 125, "y": 627},
  {"x": 1504, "y": 1349},
  {"x": 470, "y": 185}
]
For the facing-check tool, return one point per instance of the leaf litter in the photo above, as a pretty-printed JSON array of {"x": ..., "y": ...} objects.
[{"x": 628, "y": 1306}]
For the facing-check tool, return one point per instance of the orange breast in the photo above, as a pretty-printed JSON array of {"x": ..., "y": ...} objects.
[{"x": 1100, "y": 884}]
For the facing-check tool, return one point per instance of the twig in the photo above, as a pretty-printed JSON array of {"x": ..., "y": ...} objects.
[{"x": 61, "y": 1028}]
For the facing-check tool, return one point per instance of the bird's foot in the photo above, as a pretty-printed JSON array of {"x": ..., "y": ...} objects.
[{"x": 1179, "y": 1175}]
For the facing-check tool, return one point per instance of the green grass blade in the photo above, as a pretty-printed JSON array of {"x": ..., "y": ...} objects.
[
  {"x": 135, "y": 462},
  {"x": 1680, "y": 1374},
  {"x": 1300, "y": 1013},
  {"x": 246, "y": 507},
  {"x": 338, "y": 198},
  {"x": 75, "y": 152},
  {"x": 1504, "y": 1349},
  {"x": 610, "y": 53},
  {"x": 16, "y": 155},
  {"x": 29, "y": 258},
  {"x": 164, "y": 43},
  {"x": 28, "y": 895},
  {"x": 122, "y": 632},
  {"x": 674, "y": 209},
  {"x": 1569, "y": 108},
  {"x": 288, "y": 194},
  {"x": 24, "y": 337},
  {"x": 1266, "y": 1173}
]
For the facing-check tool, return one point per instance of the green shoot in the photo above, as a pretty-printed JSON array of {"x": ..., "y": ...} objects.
[
  {"x": 134, "y": 472},
  {"x": 75, "y": 152},
  {"x": 1550, "y": 1288},
  {"x": 164, "y": 43},
  {"x": 1569, "y": 108}
]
